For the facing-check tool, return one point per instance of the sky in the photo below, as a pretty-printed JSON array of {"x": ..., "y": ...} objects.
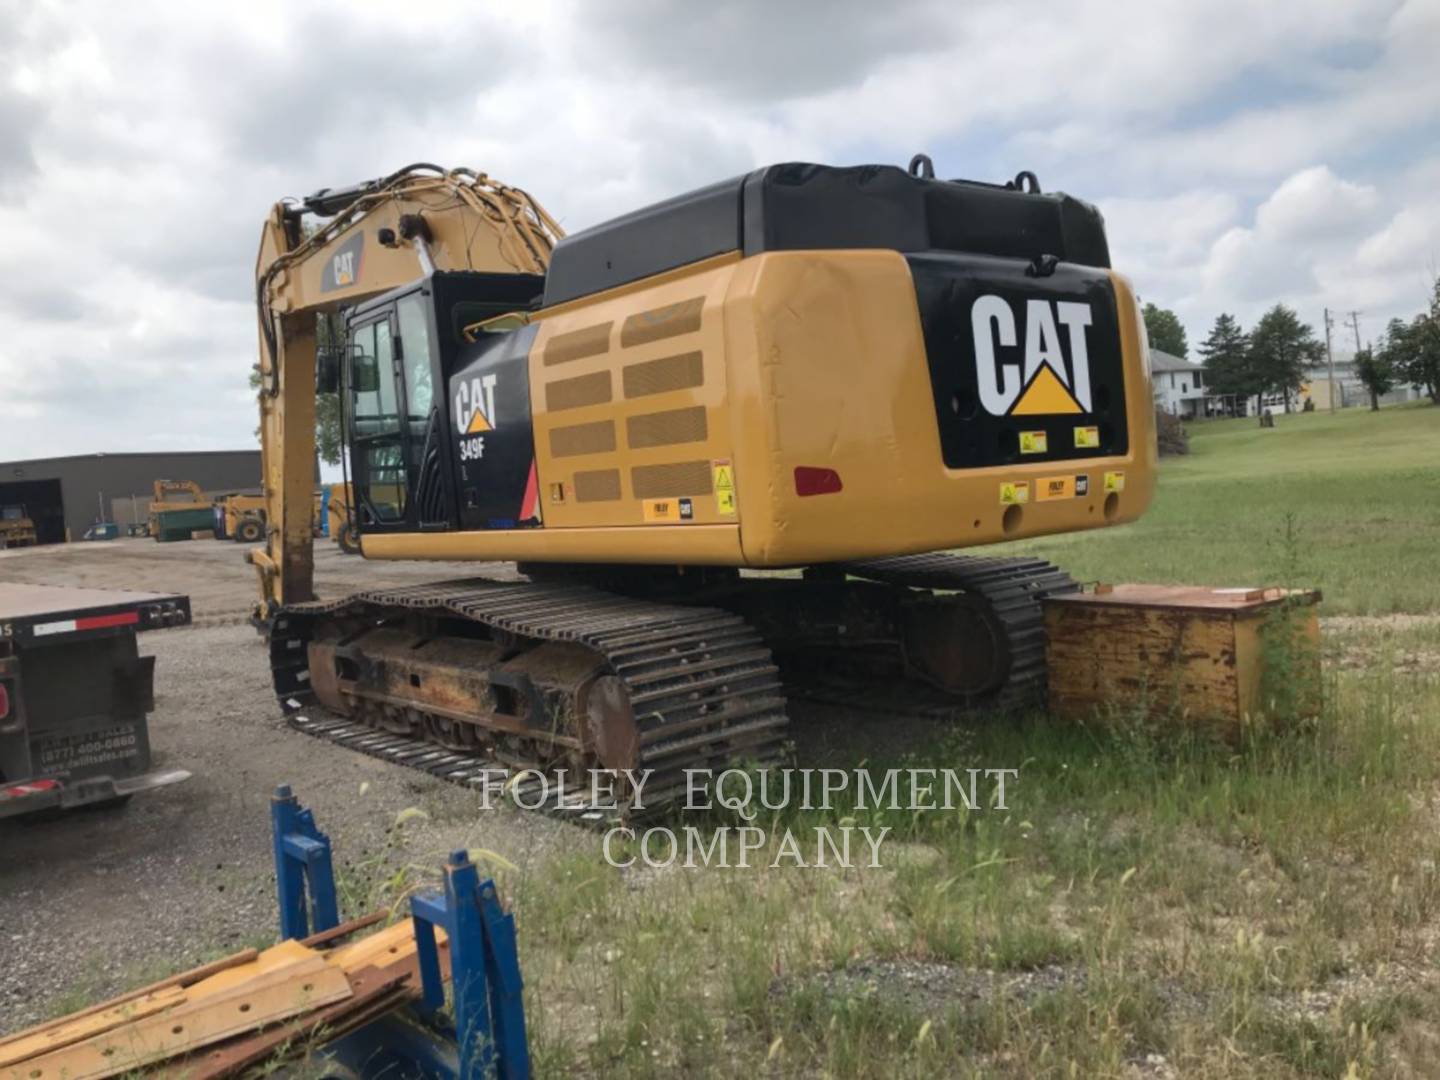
[{"x": 1243, "y": 154}]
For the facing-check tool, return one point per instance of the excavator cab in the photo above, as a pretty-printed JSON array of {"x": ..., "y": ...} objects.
[{"x": 401, "y": 349}]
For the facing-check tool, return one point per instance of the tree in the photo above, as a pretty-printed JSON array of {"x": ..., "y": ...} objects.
[
  {"x": 1228, "y": 369},
  {"x": 1418, "y": 359},
  {"x": 1282, "y": 348},
  {"x": 1375, "y": 372},
  {"x": 1164, "y": 330},
  {"x": 328, "y": 439}
]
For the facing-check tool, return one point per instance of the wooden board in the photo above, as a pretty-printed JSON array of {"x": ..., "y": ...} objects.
[
  {"x": 238, "y": 1002},
  {"x": 1174, "y": 653},
  {"x": 283, "y": 982},
  {"x": 51, "y": 1028}
]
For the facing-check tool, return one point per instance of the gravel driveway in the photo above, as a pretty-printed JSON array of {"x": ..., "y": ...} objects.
[{"x": 94, "y": 901}]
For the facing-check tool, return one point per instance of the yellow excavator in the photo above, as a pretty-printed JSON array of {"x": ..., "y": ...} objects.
[{"x": 730, "y": 437}]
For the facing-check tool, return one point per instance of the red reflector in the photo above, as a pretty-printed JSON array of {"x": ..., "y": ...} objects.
[
  {"x": 4, "y": 701},
  {"x": 100, "y": 622},
  {"x": 27, "y": 787},
  {"x": 813, "y": 481}
]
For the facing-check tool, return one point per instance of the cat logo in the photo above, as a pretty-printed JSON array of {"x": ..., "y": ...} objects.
[
  {"x": 1044, "y": 386},
  {"x": 343, "y": 269},
  {"x": 475, "y": 405}
]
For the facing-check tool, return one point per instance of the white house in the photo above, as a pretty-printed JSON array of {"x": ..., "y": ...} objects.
[{"x": 1179, "y": 385}]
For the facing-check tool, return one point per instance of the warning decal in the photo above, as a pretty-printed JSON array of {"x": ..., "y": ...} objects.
[
  {"x": 1033, "y": 442},
  {"x": 1012, "y": 493},
  {"x": 724, "y": 479},
  {"x": 1114, "y": 481},
  {"x": 1087, "y": 438}
]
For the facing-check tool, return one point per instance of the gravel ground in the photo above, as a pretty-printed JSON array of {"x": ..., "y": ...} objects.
[{"x": 95, "y": 900}]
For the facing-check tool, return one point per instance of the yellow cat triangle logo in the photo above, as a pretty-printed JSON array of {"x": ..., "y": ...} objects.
[
  {"x": 1045, "y": 396},
  {"x": 478, "y": 424}
]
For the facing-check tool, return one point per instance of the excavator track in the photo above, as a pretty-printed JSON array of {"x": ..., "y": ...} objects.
[
  {"x": 1011, "y": 592},
  {"x": 702, "y": 686}
]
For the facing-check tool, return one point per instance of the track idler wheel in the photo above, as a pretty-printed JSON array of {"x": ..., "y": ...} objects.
[
  {"x": 610, "y": 728},
  {"x": 953, "y": 643}
]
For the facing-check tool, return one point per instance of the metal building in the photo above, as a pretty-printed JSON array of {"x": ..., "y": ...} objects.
[{"x": 69, "y": 494}]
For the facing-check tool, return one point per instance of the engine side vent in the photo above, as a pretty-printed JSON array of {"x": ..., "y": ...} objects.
[
  {"x": 662, "y": 481},
  {"x": 598, "y": 485},
  {"x": 663, "y": 322},
  {"x": 596, "y": 438},
  {"x": 578, "y": 344},
  {"x": 659, "y": 376},
  {"x": 577, "y": 392},
  {"x": 666, "y": 428}
]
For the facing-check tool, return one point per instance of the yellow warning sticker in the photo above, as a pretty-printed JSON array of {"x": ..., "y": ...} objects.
[
  {"x": 1012, "y": 493},
  {"x": 1087, "y": 438},
  {"x": 1114, "y": 481},
  {"x": 1032, "y": 442},
  {"x": 723, "y": 474},
  {"x": 662, "y": 510},
  {"x": 1054, "y": 487}
]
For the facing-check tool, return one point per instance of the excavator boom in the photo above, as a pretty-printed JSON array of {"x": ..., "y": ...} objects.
[{"x": 366, "y": 239}]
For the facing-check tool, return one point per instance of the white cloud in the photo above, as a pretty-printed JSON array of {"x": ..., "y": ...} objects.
[{"x": 1243, "y": 154}]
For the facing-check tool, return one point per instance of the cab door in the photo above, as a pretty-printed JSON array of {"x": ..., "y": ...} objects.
[{"x": 378, "y": 431}]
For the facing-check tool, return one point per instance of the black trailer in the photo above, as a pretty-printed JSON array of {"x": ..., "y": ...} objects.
[{"x": 74, "y": 694}]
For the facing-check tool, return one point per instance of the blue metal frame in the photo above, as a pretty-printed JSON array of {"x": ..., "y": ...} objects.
[
  {"x": 484, "y": 970},
  {"x": 488, "y": 1038},
  {"x": 302, "y": 856}
]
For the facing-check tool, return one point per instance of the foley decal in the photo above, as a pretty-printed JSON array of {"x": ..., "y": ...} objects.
[
  {"x": 1054, "y": 487},
  {"x": 1062, "y": 487},
  {"x": 1014, "y": 492},
  {"x": 723, "y": 476},
  {"x": 1032, "y": 376},
  {"x": 663, "y": 510}
]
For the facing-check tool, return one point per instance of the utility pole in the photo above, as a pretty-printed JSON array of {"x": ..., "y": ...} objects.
[
  {"x": 1330, "y": 356},
  {"x": 1355, "y": 322}
]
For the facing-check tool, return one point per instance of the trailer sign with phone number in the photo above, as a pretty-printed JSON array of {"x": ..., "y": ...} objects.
[{"x": 87, "y": 748}]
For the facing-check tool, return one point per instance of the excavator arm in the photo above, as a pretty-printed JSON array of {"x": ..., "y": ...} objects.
[{"x": 368, "y": 239}]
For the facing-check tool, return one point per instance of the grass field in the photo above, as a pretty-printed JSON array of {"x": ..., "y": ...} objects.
[
  {"x": 1362, "y": 489},
  {"x": 1151, "y": 905}
]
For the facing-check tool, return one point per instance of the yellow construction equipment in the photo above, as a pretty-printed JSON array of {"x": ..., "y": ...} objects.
[
  {"x": 338, "y": 526},
  {"x": 240, "y": 517},
  {"x": 842, "y": 373},
  {"x": 16, "y": 528},
  {"x": 178, "y": 508}
]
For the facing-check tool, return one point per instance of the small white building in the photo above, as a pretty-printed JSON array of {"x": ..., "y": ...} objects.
[{"x": 1179, "y": 385}]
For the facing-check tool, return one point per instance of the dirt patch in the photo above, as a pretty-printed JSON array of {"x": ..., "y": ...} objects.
[
  {"x": 1345, "y": 624},
  {"x": 930, "y": 988}
]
